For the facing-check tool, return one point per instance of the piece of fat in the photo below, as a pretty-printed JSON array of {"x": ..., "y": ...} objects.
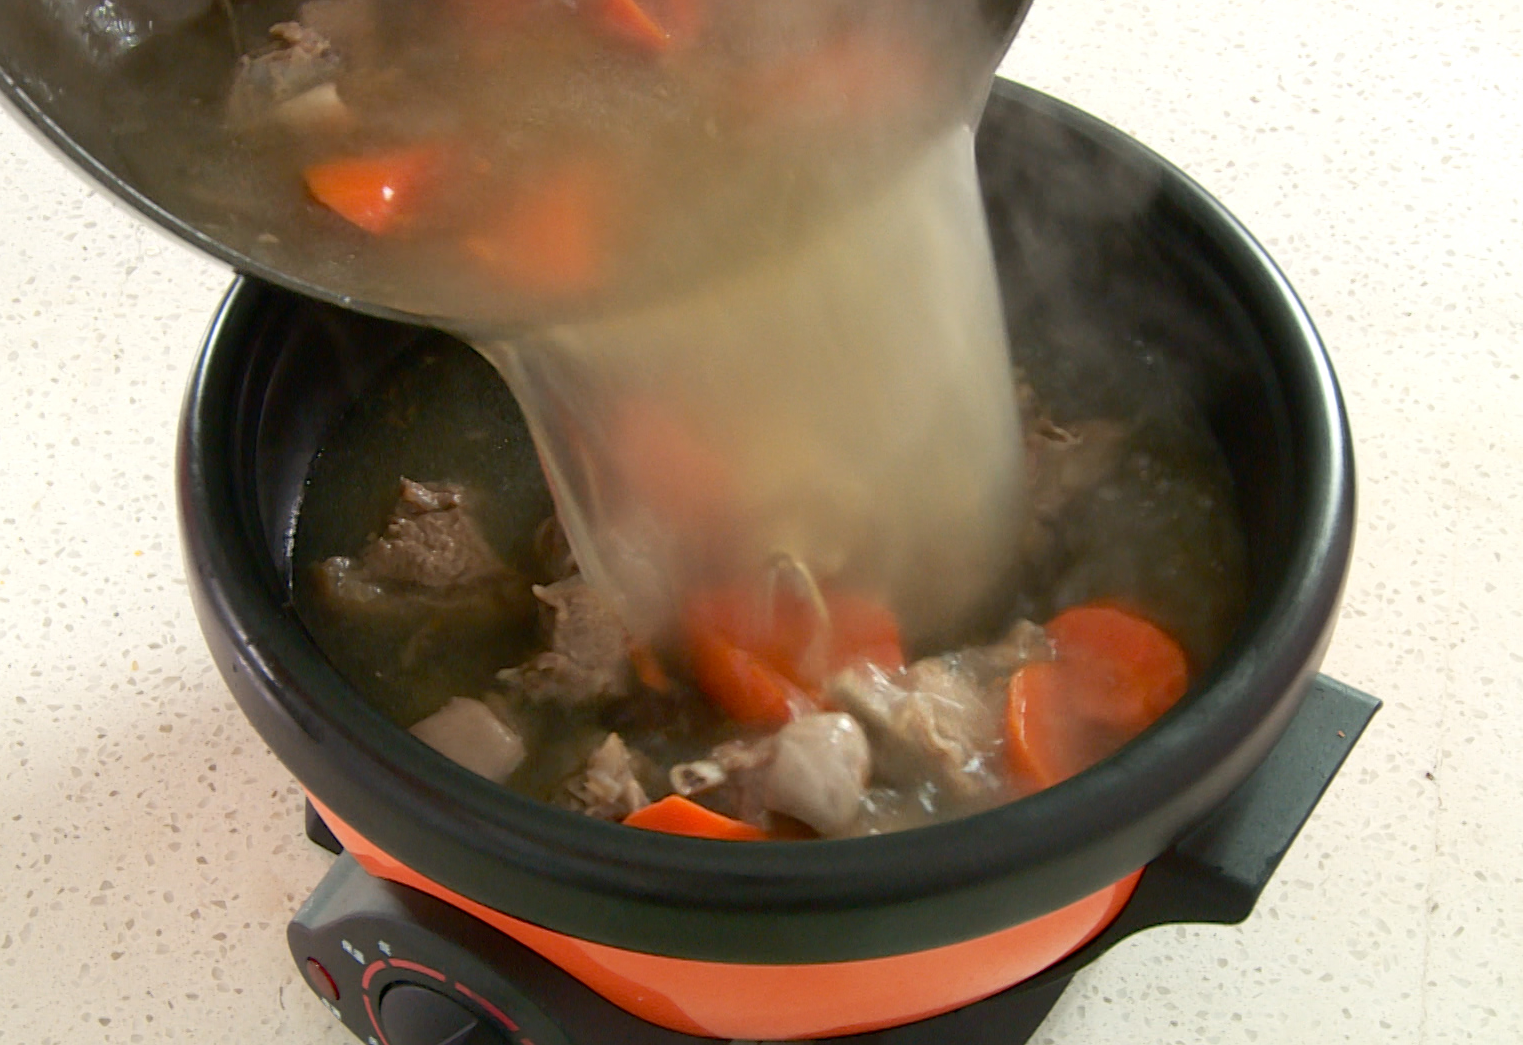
[
  {"x": 465, "y": 731},
  {"x": 819, "y": 772},
  {"x": 317, "y": 109}
]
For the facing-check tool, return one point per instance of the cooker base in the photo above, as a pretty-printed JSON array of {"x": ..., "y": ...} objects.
[{"x": 399, "y": 967}]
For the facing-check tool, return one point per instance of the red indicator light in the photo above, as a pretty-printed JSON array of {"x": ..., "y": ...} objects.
[{"x": 321, "y": 982}]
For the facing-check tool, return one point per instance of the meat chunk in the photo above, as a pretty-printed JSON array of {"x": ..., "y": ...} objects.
[
  {"x": 466, "y": 731},
  {"x": 432, "y": 558},
  {"x": 932, "y": 721},
  {"x": 432, "y": 541},
  {"x": 1061, "y": 463},
  {"x": 734, "y": 762},
  {"x": 586, "y": 631},
  {"x": 991, "y": 666},
  {"x": 298, "y": 60},
  {"x": 939, "y": 720},
  {"x": 344, "y": 585},
  {"x": 430, "y": 572},
  {"x": 316, "y": 110},
  {"x": 1066, "y": 459},
  {"x": 609, "y": 788},
  {"x": 815, "y": 770},
  {"x": 819, "y": 772},
  {"x": 588, "y": 660}
]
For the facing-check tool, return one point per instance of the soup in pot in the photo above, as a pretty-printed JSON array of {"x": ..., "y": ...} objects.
[{"x": 432, "y": 570}]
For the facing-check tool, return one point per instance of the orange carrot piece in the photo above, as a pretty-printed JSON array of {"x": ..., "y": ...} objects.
[
  {"x": 1144, "y": 665},
  {"x": 743, "y": 686},
  {"x": 1113, "y": 675},
  {"x": 863, "y": 631},
  {"x": 629, "y": 20},
  {"x": 775, "y": 638},
  {"x": 1043, "y": 741},
  {"x": 676, "y": 815},
  {"x": 648, "y": 669},
  {"x": 783, "y": 639},
  {"x": 553, "y": 237},
  {"x": 654, "y": 25},
  {"x": 378, "y": 192}
]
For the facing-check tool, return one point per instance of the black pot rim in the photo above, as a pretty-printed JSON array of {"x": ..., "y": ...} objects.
[{"x": 760, "y": 902}]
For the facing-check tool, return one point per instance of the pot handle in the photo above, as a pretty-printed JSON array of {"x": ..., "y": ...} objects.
[{"x": 1217, "y": 871}]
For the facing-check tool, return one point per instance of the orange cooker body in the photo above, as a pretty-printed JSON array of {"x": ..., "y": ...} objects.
[{"x": 788, "y": 1002}]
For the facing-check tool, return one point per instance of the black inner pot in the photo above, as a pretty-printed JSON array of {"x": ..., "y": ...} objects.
[{"x": 1086, "y": 224}]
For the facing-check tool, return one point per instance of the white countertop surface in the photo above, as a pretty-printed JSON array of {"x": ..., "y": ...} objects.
[{"x": 151, "y": 848}]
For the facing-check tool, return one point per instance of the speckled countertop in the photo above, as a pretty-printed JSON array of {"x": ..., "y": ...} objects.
[{"x": 151, "y": 848}]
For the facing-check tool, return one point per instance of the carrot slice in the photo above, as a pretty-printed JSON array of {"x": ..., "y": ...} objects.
[
  {"x": 653, "y": 25},
  {"x": 648, "y": 669},
  {"x": 745, "y": 687},
  {"x": 377, "y": 192},
  {"x": 676, "y": 815},
  {"x": 1113, "y": 675},
  {"x": 736, "y": 616},
  {"x": 784, "y": 639},
  {"x": 553, "y": 238},
  {"x": 1144, "y": 666},
  {"x": 629, "y": 20},
  {"x": 1045, "y": 741},
  {"x": 863, "y": 631}
]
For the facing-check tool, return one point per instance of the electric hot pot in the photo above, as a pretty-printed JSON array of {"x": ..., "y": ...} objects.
[{"x": 463, "y": 913}]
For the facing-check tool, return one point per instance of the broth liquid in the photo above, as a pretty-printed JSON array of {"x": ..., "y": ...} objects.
[{"x": 847, "y": 404}]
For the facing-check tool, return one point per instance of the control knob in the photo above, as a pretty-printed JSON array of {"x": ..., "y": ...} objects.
[{"x": 412, "y": 1014}]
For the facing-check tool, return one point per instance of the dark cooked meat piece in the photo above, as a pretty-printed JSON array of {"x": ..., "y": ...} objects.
[
  {"x": 1069, "y": 458},
  {"x": 588, "y": 659},
  {"x": 431, "y": 541},
  {"x": 298, "y": 61},
  {"x": 609, "y": 788},
  {"x": 819, "y": 771},
  {"x": 1062, "y": 462},
  {"x": 345, "y": 585},
  {"x": 585, "y": 629},
  {"x": 430, "y": 578},
  {"x": 554, "y": 678}
]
